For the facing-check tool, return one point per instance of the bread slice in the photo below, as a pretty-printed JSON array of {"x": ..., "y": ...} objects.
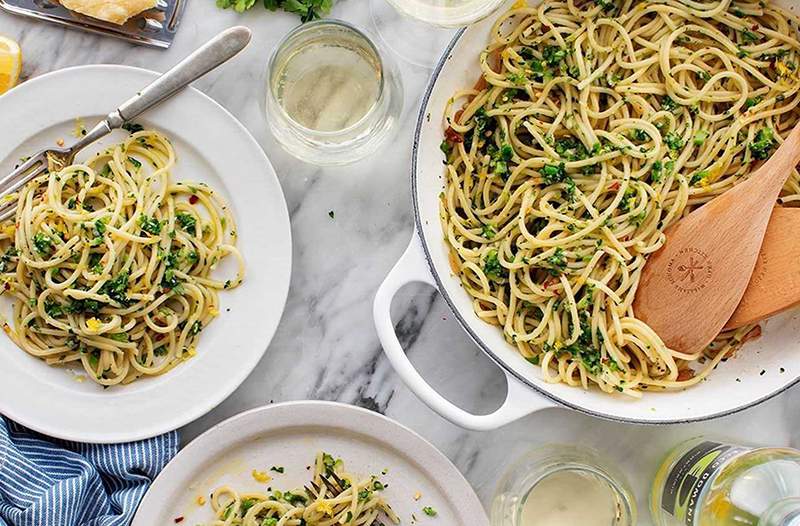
[{"x": 114, "y": 11}]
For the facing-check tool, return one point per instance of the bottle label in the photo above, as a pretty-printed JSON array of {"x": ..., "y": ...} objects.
[{"x": 690, "y": 475}]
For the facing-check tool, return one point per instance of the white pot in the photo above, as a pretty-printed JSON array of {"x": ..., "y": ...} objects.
[{"x": 737, "y": 384}]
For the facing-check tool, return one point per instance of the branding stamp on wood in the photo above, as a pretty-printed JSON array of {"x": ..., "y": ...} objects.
[{"x": 689, "y": 270}]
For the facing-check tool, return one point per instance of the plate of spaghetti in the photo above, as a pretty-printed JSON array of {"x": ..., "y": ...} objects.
[
  {"x": 572, "y": 134},
  {"x": 312, "y": 463},
  {"x": 125, "y": 285}
]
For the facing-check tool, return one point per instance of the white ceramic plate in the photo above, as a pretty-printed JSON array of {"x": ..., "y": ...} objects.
[
  {"x": 289, "y": 435},
  {"x": 211, "y": 146}
]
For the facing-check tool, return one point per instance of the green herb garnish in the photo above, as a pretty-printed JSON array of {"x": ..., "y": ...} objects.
[
  {"x": 430, "y": 512},
  {"x": 307, "y": 10},
  {"x": 762, "y": 146}
]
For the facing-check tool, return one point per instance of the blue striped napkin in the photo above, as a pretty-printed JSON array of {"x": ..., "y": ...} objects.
[{"x": 50, "y": 482}]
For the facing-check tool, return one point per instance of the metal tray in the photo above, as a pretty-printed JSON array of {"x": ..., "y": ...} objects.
[{"x": 155, "y": 27}]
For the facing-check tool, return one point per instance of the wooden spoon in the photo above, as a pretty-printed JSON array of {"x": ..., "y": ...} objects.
[
  {"x": 775, "y": 283},
  {"x": 690, "y": 287}
]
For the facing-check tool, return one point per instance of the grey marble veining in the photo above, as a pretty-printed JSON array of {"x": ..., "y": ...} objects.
[{"x": 339, "y": 263}]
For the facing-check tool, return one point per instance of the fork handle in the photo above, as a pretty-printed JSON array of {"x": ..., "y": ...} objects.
[{"x": 216, "y": 51}]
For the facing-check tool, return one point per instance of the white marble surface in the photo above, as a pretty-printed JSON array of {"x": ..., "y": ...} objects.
[{"x": 326, "y": 347}]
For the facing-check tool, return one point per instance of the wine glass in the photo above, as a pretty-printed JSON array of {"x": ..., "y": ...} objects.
[{"x": 418, "y": 30}]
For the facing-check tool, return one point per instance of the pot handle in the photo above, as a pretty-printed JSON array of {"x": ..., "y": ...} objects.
[{"x": 412, "y": 267}]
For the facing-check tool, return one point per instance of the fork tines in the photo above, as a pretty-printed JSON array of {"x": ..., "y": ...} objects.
[
  {"x": 335, "y": 486},
  {"x": 23, "y": 174}
]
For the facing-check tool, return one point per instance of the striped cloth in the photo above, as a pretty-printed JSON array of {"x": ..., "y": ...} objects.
[{"x": 50, "y": 482}]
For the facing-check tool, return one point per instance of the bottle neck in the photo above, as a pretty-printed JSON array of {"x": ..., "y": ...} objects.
[{"x": 785, "y": 512}]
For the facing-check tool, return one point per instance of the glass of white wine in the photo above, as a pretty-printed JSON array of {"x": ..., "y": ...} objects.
[
  {"x": 331, "y": 97},
  {"x": 418, "y": 30},
  {"x": 447, "y": 13}
]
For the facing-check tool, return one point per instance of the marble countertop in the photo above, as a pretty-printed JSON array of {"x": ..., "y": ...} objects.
[{"x": 327, "y": 326}]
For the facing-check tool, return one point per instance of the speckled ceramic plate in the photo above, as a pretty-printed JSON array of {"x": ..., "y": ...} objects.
[
  {"x": 211, "y": 146},
  {"x": 289, "y": 435}
]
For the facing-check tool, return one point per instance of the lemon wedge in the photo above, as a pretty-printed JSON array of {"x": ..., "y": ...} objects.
[{"x": 10, "y": 64}]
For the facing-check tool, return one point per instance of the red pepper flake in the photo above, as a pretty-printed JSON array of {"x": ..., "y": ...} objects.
[
  {"x": 178, "y": 519},
  {"x": 754, "y": 333},
  {"x": 193, "y": 199},
  {"x": 755, "y": 27},
  {"x": 159, "y": 337},
  {"x": 451, "y": 136},
  {"x": 7, "y": 286},
  {"x": 614, "y": 186}
]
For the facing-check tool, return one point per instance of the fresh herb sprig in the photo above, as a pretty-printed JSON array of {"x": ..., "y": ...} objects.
[{"x": 307, "y": 10}]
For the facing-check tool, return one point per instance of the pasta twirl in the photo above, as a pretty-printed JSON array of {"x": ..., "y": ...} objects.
[
  {"x": 109, "y": 263},
  {"x": 596, "y": 124}
]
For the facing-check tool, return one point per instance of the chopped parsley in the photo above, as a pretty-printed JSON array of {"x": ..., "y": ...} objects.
[
  {"x": 518, "y": 79},
  {"x": 700, "y": 137},
  {"x": 556, "y": 263},
  {"x": 53, "y": 308},
  {"x": 430, "y": 512},
  {"x": 669, "y": 105},
  {"x": 656, "y": 171},
  {"x": 331, "y": 464},
  {"x": 750, "y": 37},
  {"x": 553, "y": 173},
  {"x": 117, "y": 289},
  {"x": 638, "y": 134},
  {"x": 499, "y": 158},
  {"x": 277, "y": 469},
  {"x": 132, "y": 127},
  {"x": 150, "y": 224},
  {"x": 492, "y": 267},
  {"x": 752, "y": 101},
  {"x": 673, "y": 141},
  {"x": 554, "y": 55},
  {"x": 446, "y": 147},
  {"x": 42, "y": 243},
  {"x": 5, "y": 259},
  {"x": 488, "y": 231},
  {"x": 698, "y": 177},
  {"x": 571, "y": 149},
  {"x": 187, "y": 222},
  {"x": 762, "y": 146}
]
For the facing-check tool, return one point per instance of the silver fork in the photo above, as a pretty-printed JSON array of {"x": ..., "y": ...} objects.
[
  {"x": 335, "y": 488},
  {"x": 216, "y": 51}
]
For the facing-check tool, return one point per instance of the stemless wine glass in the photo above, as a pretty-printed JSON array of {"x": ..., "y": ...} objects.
[
  {"x": 447, "y": 13},
  {"x": 331, "y": 97},
  {"x": 413, "y": 28},
  {"x": 524, "y": 496}
]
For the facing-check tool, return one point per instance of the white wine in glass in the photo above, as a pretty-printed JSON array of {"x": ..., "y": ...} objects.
[
  {"x": 419, "y": 30},
  {"x": 447, "y": 13}
]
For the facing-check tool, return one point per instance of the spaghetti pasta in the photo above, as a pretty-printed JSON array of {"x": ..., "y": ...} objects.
[
  {"x": 109, "y": 263},
  {"x": 359, "y": 503},
  {"x": 595, "y": 125}
]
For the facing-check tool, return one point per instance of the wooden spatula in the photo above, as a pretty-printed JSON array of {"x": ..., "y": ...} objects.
[
  {"x": 775, "y": 283},
  {"x": 691, "y": 286}
]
